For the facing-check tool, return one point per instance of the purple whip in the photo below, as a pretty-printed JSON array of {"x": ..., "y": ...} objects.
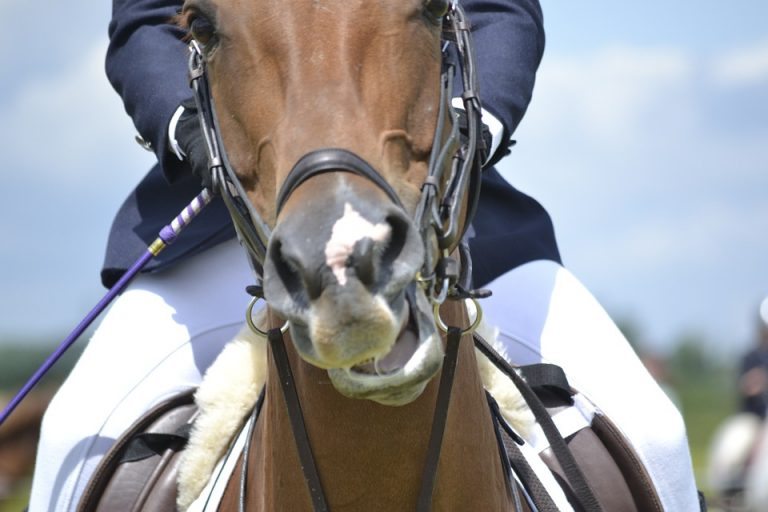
[{"x": 165, "y": 238}]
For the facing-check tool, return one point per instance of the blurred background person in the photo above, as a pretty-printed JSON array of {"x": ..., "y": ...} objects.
[
  {"x": 738, "y": 458},
  {"x": 753, "y": 375}
]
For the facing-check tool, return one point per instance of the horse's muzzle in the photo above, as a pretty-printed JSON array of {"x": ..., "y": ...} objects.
[{"x": 338, "y": 264}]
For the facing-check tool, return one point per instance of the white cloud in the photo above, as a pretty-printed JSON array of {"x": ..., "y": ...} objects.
[
  {"x": 742, "y": 67},
  {"x": 69, "y": 127},
  {"x": 69, "y": 161},
  {"x": 7, "y": 6},
  {"x": 707, "y": 229},
  {"x": 658, "y": 198},
  {"x": 605, "y": 95}
]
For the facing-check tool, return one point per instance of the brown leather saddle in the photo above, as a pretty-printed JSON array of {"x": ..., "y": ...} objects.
[{"x": 140, "y": 471}]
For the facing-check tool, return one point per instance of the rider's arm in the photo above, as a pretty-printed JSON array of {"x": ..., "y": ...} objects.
[
  {"x": 147, "y": 65},
  {"x": 509, "y": 43}
]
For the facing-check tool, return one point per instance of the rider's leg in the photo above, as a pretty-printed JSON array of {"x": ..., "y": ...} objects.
[
  {"x": 545, "y": 314},
  {"x": 157, "y": 339}
]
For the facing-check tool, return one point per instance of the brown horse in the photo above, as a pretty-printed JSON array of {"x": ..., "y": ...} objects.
[
  {"x": 349, "y": 259},
  {"x": 333, "y": 144}
]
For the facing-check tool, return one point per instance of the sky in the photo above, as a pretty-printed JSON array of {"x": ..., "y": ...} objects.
[{"x": 647, "y": 141}]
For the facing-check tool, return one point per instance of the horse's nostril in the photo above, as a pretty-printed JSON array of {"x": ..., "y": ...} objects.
[
  {"x": 301, "y": 283},
  {"x": 381, "y": 254},
  {"x": 373, "y": 260},
  {"x": 398, "y": 235},
  {"x": 363, "y": 261},
  {"x": 313, "y": 284}
]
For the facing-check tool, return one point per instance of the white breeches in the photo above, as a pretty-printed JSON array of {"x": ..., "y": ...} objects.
[
  {"x": 162, "y": 333},
  {"x": 545, "y": 314},
  {"x": 158, "y": 338}
]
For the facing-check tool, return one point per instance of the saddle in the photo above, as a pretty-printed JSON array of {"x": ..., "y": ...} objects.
[{"x": 140, "y": 471}]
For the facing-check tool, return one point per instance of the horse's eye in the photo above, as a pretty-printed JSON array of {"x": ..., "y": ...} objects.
[
  {"x": 202, "y": 29},
  {"x": 436, "y": 9}
]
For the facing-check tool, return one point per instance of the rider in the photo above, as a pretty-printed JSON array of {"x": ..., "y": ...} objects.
[
  {"x": 164, "y": 331},
  {"x": 753, "y": 375}
]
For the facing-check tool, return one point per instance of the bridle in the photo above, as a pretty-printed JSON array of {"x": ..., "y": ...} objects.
[{"x": 438, "y": 213}]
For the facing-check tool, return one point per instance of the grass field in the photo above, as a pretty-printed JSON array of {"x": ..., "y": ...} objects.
[
  {"x": 705, "y": 403},
  {"x": 17, "y": 501}
]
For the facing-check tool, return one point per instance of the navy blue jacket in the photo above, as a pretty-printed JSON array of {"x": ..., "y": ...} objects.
[{"x": 147, "y": 65}]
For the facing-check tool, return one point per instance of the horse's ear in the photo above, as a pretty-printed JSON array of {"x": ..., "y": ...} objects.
[{"x": 436, "y": 8}]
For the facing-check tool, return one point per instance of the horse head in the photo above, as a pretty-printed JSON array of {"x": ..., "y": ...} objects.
[{"x": 331, "y": 112}]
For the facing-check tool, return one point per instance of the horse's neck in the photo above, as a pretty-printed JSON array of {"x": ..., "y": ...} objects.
[{"x": 370, "y": 456}]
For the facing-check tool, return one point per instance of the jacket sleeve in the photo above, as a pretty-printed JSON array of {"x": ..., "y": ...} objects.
[
  {"x": 508, "y": 37},
  {"x": 146, "y": 63}
]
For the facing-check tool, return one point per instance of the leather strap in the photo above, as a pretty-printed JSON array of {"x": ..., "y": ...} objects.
[
  {"x": 439, "y": 419},
  {"x": 241, "y": 503},
  {"x": 549, "y": 378},
  {"x": 331, "y": 160},
  {"x": 501, "y": 441},
  {"x": 298, "y": 426},
  {"x": 536, "y": 490},
  {"x": 578, "y": 482},
  {"x": 512, "y": 456}
]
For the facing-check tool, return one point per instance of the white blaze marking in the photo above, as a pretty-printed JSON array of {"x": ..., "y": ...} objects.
[{"x": 348, "y": 230}]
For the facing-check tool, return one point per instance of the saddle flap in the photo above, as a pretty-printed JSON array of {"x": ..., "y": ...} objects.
[
  {"x": 611, "y": 468},
  {"x": 600, "y": 470},
  {"x": 634, "y": 472},
  {"x": 139, "y": 472}
]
